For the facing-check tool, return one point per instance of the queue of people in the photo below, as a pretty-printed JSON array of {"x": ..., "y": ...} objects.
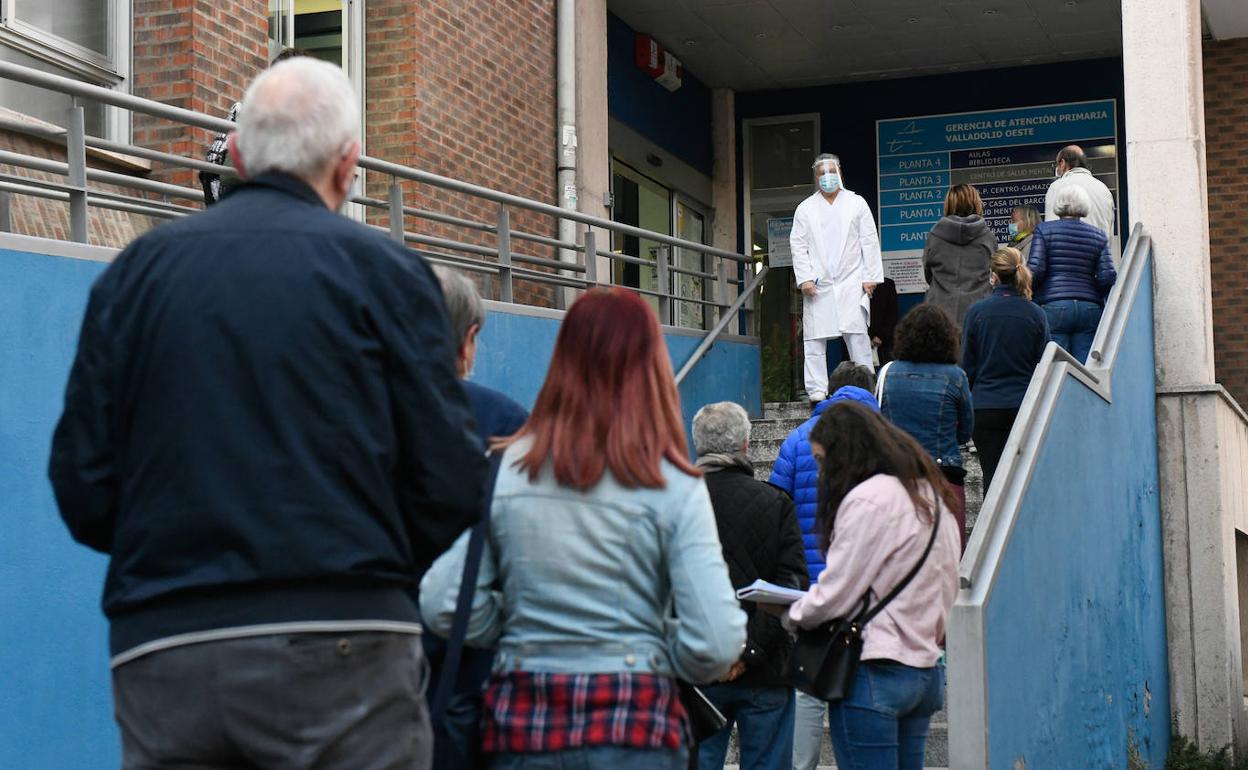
[{"x": 295, "y": 482}]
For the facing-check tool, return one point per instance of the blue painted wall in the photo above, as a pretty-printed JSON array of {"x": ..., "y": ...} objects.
[
  {"x": 678, "y": 121},
  {"x": 514, "y": 353},
  {"x": 55, "y": 701},
  {"x": 1075, "y": 624},
  {"x": 55, "y": 705},
  {"x": 848, "y": 113}
]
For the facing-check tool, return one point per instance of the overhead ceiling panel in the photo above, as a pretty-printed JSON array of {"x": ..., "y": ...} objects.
[
  {"x": 752, "y": 44},
  {"x": 1226, "y": 19}
]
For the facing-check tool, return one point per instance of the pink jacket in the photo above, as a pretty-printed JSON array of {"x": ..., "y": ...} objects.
[{"x": 879, "y": 538}]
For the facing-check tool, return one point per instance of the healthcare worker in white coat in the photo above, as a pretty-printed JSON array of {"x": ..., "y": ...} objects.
[{"x": 837, "y": 265}]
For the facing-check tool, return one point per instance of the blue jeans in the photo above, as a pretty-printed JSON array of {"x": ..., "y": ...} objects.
[
  {"x": 883, "y": 724},
  {"x": 1072, "y": 324},
  {"x": 764, "y": 718},
  {"x": 595, "y": 758}
]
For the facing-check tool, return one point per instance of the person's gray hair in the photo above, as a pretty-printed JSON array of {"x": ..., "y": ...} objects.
[
  {"x": 720, "y": 428},
  {"x": 463, "y": 304},
  {"x": 299, "y": 116},
  {"x": 1071, "y": 201}
]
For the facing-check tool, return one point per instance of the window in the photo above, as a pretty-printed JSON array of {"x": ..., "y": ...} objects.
[
  {"x": 643, "y": 202},
  {"x": 87, "y": 40},
  {"x": 330, "y": 30}
]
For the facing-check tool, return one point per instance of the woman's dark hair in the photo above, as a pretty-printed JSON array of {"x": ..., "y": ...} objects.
[
  {"x": 926, "y": 335},
  {"x": 850, "y": 373},
  {"x": 859, "y": 443}
]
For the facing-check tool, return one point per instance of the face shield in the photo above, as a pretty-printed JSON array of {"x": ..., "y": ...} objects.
[{"x": 827, "y": 173}]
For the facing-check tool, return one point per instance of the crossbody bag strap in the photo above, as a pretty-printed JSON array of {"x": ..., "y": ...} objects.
[
  {"x": 866, "y": 616},
  {"x": 879, "y": 384},
  {"x": 463, "y": 604}
]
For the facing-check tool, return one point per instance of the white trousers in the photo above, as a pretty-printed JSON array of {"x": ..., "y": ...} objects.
[
  {"x": 808, "y": 731},
  {"x": 816, "y": 369}
]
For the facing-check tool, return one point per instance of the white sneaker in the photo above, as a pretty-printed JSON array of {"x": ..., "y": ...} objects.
[{"x": 817, "y": 397}]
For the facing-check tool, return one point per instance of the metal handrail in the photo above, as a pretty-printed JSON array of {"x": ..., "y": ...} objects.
[
  {"x": 157, "y": 109},
  {"x": 725, "y": 318},
  {"x": 79, "y": 197}
]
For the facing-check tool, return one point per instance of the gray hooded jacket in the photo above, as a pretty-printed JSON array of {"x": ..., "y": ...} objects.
[{"x": 956, "y": 263}]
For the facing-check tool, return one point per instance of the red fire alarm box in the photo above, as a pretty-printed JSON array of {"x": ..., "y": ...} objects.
[{"x": 648, "y": 55}]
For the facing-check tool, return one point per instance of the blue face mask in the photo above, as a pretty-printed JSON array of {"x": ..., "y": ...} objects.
[
  {"x": 829, "y": 182},
  {"x": 1013, "y": 229}
]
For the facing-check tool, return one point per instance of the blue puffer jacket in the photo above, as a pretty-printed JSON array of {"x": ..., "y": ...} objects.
[
  {"x": 797, "y": 473},
  {"x": 1070, "y": 260}
]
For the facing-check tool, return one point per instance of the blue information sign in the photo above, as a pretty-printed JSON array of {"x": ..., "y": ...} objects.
[{"x": 1006, "y": 154}]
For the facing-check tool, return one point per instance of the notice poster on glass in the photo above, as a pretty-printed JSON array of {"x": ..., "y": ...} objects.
[
  {"x": 778, "y": 252},
  {"x": 1008, "y": 155}
]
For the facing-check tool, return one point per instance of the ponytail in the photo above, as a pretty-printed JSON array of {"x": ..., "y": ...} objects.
[{"x": 1008, "y": 266}]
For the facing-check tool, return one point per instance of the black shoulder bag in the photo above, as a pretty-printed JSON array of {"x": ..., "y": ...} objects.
[
  {"x": 463, "y": 604},
  {"x": 825, "y": 658}
]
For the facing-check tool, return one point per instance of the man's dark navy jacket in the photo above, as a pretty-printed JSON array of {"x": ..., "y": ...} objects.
[{"x": 263, "y": 422}]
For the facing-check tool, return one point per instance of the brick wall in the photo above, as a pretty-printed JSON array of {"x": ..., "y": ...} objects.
[
  {"x": 195, "y": 54},
  {"x": 466, "y": 89},
  {"x": 461, "y": 88},
  {"x": 1226, "y": 128},
  {"x": 43, "y": 218}
]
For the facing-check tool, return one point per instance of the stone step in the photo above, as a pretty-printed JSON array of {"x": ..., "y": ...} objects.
[
  {"x": 764, "y": 430},
  {"x": 786, "y": 410},
  {"x": 765, "y": 451}
]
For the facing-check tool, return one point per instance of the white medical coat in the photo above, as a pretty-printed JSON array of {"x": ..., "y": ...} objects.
[{"x": 837, "y": 246}]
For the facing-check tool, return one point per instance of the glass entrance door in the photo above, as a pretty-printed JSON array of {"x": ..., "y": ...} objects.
[
  {"x": 642, "y": 202},
  {"x": 691, "y": 226},
  {"x": 778, "y": 153}
]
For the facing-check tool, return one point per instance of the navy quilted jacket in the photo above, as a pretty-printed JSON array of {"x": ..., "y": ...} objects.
[
  {"x": 797, "y": 473},
  {"x": 1070, "y": 260}
]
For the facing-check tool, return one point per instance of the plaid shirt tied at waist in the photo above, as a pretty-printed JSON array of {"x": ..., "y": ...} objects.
[{"x": 533, "y": 711}]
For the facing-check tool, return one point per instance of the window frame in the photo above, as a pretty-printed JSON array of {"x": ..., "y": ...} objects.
[{"x": 110, "y": 71}]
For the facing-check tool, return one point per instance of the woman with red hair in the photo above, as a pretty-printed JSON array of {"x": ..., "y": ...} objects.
[{"x": 602, "y": 580}]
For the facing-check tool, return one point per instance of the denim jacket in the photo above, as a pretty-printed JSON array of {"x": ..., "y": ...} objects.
[
  {"x": 931, "y": 402},
  {"x": 584, "y": 582}
]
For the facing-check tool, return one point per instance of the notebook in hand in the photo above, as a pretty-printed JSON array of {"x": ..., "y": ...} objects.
[{"x": 762, "y": 592}]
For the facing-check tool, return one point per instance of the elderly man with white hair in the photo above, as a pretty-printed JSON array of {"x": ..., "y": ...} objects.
[
  {"x": 1072, "y": 272},
  {"x": 759, "y": 532},
  {"x": 264, "y": 430},
  {"x": 1071, "y": 169}
]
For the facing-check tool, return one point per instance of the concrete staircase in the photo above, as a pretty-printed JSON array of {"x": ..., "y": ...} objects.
[
  {"x": 769, "y": 432},
  {"x": 780, "y": 419}
]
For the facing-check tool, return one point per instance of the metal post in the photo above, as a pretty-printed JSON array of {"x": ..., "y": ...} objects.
[
  {"x": 76, "y": 152},
  {"x": 396, "y": 211},
  {"x": 591, "y": 256},
  {"x": 6, "y": 213},
  {"x": 665, "y": 286},
  {"x": 504, "y": 254},
  {"x": 721, "y": 288},
  {"x": 751, "y": 314}
]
